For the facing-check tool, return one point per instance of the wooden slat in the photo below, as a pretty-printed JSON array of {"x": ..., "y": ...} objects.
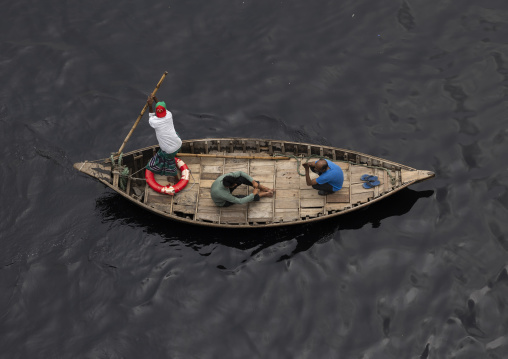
[
  {"x": 287, "y": 193},
  {"x": 237, "y": 213},
  {"x": 358, "y": 188},
  {"x": 204, "y": 193},
  {"x": 211, "y": 161},
  {"x": 361, "y": 197},
  {"x": 343, "y": 165},
  {"x": 309, "y": 192},
  {"x": 187, "y": 197},
  {"x": 336, "y": 206},
  {"x": 310, "y": 212},
  {"x": 289, "y": 165},
  {"x": 387, "y": 182},
  {"x": 264, "y": 178},
  {"x": 286, "y": 215},
  {"x": 234, "y": 167},
  {"x": 312, "y": 202},
  {"x": 258, "y": 210},
  {"x": 155, "y": 197},
  {"x": 206, "y": 202},
  {"x": 212, "y": 169},
  {"x": 191, "y": 160},
  {"x": 161, "y": 207},
  {"x": 303, "y": 182},
  {"x": 209, "y": 176},
  {"x": 341, "y": 196},
  {"x": 184, "y": 209},
  {"x": 259, "y": 171},
  {"x": 206, "y": 183},
  {"x": 286, "y": 203},
  {"x": 208, "y": 216},
  {"x": 358, "y": 171},
  {"x": 194, "y": 168},
  {"x": 287, "y": 180}
]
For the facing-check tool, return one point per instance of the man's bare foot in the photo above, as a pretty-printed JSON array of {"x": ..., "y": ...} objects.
[{"x": 266, "y": 194}]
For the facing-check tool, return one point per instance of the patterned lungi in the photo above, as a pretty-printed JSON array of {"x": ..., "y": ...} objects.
[{"x": 163, "y": 163}]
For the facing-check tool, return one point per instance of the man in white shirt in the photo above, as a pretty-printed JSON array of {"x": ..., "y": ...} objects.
[{"x": 163, "y": 163}]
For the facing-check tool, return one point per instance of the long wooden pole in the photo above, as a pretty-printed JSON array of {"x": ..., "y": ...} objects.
[
  {"x": 141, "y": 114},
  {"x": 233, "y": 157}
]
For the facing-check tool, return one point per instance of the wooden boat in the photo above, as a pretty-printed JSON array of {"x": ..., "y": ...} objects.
[{"x": 276, "y": 164}]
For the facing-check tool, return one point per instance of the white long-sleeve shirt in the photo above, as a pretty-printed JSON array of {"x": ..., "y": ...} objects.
[{"x": 169, "y": 141}]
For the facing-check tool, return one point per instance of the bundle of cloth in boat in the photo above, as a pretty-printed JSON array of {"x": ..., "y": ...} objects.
[
  {"x": 163, "y": 163},
  {"x": 370, "y": 181}
]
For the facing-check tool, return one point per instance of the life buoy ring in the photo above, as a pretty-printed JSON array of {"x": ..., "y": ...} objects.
[{"x": 171, "y": 190}]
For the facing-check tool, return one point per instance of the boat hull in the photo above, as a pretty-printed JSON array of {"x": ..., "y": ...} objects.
[{"x": 277, "y": 164}]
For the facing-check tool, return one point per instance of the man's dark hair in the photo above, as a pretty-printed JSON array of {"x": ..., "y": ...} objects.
[{"x": 228, "y": 181}]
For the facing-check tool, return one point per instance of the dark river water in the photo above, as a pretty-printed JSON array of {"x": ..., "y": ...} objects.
[{"x": 423, "y": 274}]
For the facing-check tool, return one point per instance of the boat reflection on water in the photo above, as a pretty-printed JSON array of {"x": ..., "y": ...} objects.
[{"x": 114, "y": 208}]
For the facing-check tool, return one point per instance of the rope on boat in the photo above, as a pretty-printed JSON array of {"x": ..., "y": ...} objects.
[{"x": 307, "y": 158}]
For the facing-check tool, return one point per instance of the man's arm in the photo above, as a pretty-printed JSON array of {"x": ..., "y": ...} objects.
[
  {"x": 150, "y": 103},
  {"x": 310, "y": 182}
]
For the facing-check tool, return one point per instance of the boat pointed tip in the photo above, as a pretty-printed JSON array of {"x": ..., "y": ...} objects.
[{"x": 416, "y": 175}]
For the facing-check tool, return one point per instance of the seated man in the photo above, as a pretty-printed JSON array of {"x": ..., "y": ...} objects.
[
  {"x": 225, "y": 184},
  {"x": 330, "y": 177}
]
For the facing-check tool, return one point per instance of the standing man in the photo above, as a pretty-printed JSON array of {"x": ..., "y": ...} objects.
[
  {"x": 330, "y": 177},
  {"x": 225, "y": 184},
  {"x": 163, "y": 163}
]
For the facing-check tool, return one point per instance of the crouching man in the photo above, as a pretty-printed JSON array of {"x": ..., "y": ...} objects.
[
  {"x": 223, "y": 187},
  {"x": 330, "y": 177}
]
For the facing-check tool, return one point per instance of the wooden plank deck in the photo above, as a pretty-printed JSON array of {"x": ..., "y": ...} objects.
[{"x": 293, "y": 199}]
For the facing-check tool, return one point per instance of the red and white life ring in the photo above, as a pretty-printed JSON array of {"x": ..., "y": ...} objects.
[{"x": 171, "y": 190}]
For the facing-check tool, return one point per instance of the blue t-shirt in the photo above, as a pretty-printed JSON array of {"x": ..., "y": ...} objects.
[{"x": 334, "y": 176}]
